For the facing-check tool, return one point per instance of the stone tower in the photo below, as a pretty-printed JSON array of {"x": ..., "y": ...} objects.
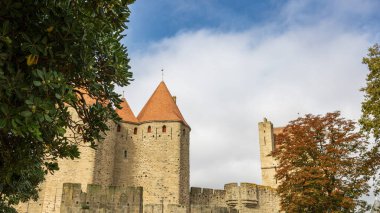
[
  {"x": 267, "y": 145},
  {"x": 125, "y": 147},
  {"x": 153, "y": 150},
  {"x": 149, "y": 151}
]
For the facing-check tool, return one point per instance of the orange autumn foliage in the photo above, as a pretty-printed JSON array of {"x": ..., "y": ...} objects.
[{"x": 321, "y": 166}]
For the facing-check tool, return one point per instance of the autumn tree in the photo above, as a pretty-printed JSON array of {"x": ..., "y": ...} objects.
[
  {"x": 54, "y": 54},
  {"x": 320, "y": 165},
  {"x": 370, "y": 120}
]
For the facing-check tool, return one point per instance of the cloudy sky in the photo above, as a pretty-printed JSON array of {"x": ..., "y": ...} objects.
[{"x": 232, "y": 63}]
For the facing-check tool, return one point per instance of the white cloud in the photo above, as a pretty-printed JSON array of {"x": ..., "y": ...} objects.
[{"x": 226, "y": 82}]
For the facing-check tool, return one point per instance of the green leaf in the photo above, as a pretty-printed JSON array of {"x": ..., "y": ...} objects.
[
  {"x": 61, "y": 131},
  {"x": 3, "y": 122},
  {"x": 58, "y": 96},
  {"x": 40, "y": 74},
  {"x": 37, "y": 83},
  {"x": 26, "y": 113},
  {"x": 4, "y": 109},
  {"x": 29, "y": 102},
  {"x": 48, "y": 118},
  {"x": 14, "y": 124},
  {"x": 5, "y": 27}
]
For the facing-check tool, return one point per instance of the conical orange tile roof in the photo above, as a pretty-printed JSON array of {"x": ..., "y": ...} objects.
[
  {"x": 125, "y": 113},
  {"x": 161, "y": 107}
]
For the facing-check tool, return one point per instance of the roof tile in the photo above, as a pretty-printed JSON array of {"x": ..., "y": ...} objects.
[
  {"x": 161, "y": 107},
  {"x": 125, "y": 113}
]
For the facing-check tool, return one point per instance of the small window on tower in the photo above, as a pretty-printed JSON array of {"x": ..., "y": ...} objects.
[
  {"x": 183, "y": 131},
  {"x": 135, "y": 130},
  {"x": 118, "y": 128},
  {"x": 149, "y": 129},
  {"x": 125, "y": 154},
  {"x": 163, "y": 128}
]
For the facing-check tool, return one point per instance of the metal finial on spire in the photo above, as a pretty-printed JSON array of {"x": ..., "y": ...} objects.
[{"x": 162, "y": 74}]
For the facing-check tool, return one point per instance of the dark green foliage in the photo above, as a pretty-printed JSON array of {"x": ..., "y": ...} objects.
[
  {"x": 370, "y": 120},
  {"x": 51, "y": 53}
]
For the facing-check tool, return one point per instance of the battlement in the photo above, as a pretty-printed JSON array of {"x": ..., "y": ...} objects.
[
  {"x": 234, "y": 196},
  {"x": 206, "y": 196},
  {"x": 99, "y": 199},
  {"x": 245, "y": 194}
]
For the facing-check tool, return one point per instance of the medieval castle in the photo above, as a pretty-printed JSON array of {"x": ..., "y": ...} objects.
[{"x": 143, "y": 167}]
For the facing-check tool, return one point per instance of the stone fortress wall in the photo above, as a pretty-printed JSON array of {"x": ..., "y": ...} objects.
[
  {"x": 243, "y": 198},
  {"x": 82, "y": 171},
  {"x": 101, "y": 199},
  {"x": 143, "y": 166},
  {"x": 156, "y": 160}
]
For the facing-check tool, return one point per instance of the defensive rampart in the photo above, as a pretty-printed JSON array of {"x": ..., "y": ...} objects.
[
  {"x": 101, "y": 199},
  {"x": 245, "y": 198}
]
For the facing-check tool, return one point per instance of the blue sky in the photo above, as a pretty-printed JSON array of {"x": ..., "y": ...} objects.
[
  {"x": 232, "y": 63},
  {"x": 153, "y": 20}
]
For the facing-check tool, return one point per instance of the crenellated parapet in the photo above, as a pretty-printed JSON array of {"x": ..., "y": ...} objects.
[
  {"x": 205, "y": 196},
  {"x": 245, "y": 194},
  {"x": 246, "y": 197},
  {"x": 101, "y": 199}
]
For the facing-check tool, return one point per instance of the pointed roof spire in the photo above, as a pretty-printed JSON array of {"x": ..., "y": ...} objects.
[
  {"x": 125, "y": 113},
  {"x": 161, "y": 107}
]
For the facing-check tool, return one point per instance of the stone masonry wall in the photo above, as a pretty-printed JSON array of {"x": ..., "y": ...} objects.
[
  {"x": 104, "y": 157},
  {"x": 32, "y": 206},
  {"x": 267, "y": 145},
  {"x": 125, "y": 153},
  {"x": 101, "y": 199},
  {"x": 184, "y": 172},
  {"x": 155, "y": 162},
  {"x": 75, "y": 171},
  {"x": 246, "y": 198}
]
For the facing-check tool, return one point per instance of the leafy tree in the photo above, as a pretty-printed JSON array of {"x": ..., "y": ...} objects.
[
  {"x": 55, "y": 57},
  {"x": 370, "y": 120},
  {"x": 320, "y": 165}
]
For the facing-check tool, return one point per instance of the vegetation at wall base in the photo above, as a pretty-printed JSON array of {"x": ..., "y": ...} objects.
[{"x": 54, "y": 56}]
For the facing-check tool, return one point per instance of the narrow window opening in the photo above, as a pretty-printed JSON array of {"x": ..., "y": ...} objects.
[
  {"x": 163, "y": 128},
  {"x": 135, "y": 130},
  {"x": 118, "y": 128},
  {"x": 149, "y": 129},
  {"x": 183, "y": 131},
  {"x": 275, "y": 169},
  {"x": 125, "y": 154}
]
